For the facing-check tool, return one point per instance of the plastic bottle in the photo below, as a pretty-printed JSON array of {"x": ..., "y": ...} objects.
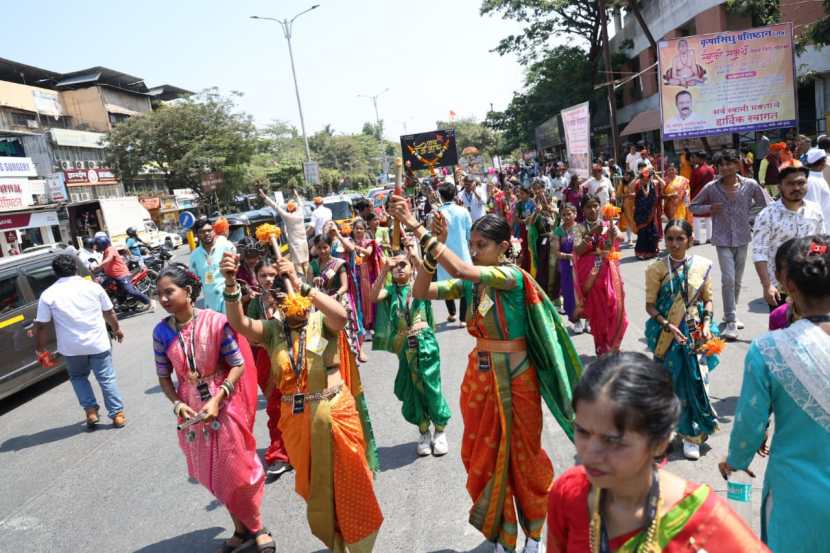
[{"x": 739, "y": 494}]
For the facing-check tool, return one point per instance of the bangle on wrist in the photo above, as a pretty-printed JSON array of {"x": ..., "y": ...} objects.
[
  {"x": 176, "y": 406},
  {"x": 305, "y": 289}
]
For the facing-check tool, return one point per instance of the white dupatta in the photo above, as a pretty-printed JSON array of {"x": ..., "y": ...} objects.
[{"x": 802, "y": 366}]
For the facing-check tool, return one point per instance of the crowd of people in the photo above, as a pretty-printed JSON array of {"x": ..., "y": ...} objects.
[{"x": 524, "y": 255}]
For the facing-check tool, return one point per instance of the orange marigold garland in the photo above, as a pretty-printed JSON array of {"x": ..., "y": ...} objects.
[
  {"x": 296, "y": 305},
  {"x": 265, "y": 231},
  {"x": 713, "y": 347},
  {"x": 613, "y": 255},
  {"x": 346, "y": 229},
  {"x": 610, "y": 211}
]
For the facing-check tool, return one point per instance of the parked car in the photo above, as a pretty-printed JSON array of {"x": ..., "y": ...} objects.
[{"x": 22, "y": 279}]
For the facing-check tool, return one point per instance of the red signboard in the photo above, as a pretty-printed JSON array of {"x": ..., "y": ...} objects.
[
  {"x": 151, "y": 203},
  {"x": 88, "y": 177},
  {"x": 18, "y": 220}
]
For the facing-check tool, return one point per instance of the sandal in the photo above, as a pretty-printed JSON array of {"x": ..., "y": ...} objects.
[
  {"x": 270, "y": 547},
  {"x": 245, "y": 540}
]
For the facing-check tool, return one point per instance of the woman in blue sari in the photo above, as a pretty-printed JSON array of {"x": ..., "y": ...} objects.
[
  {"x": 679, "y": 304},
  {"x": 787, "y": 374}
]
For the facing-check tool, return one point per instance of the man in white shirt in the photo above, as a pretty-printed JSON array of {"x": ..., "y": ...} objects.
[
  {"x": 474, "y": 197},
  {"x": 632, "y": 160},
  {"x": 788, "y": 217},
  {"x": 818, "y": 190},
  {"x": 824, "y": 143},
  {"x": 599, "y": 185},
  {"x": 78, "y": 308},
  {"x": 320, "y": 216}
]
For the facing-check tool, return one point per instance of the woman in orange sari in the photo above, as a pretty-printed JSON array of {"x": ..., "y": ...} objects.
[
  {"x": 319, "y": 421},
  {"x": 619, "y": 500},
  {"x": 626, "y": 193},
  {"x": 523, "y": 354},
  {"x": 676, "y": 196}
]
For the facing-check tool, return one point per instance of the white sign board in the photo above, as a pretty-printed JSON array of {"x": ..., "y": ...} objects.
[
  {"x": 312, "y": 172},
  {"x": 14, "y": 194},
  {"x": 576, "y": 120},
  {"x": 17, "y": 167}
]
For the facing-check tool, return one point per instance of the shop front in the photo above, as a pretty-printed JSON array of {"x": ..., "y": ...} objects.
[
  {"x": 20, "y": 230},
  {"x": 153, "y": 206}
]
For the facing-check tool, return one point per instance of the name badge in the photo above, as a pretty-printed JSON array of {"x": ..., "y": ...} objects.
[
  {"x": 317, "y": 344},
  {"x": 485, "y": 305},
  {"x": 329, "y": 274},
  {"x": 484, "y": 361},
  {"x": 209, "y": 276},
  {"x": 204, "y": 391},
  {"x": 299, "y": 404}
]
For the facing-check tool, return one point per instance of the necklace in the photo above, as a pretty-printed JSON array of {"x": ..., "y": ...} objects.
[
  {"x": 295, "y": 359},
  {"x": 181, "y": 325},
  {"x": 598, "y": 534}
]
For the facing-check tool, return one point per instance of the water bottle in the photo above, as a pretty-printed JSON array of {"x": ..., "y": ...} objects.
[{"x": 739, "y": 494}]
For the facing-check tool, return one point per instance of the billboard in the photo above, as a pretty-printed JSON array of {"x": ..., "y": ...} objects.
[
  {"x": 427, "y": 150},
  {"x": 727, "y": 82},
  {"x": 548, "y": 134},
  {"x": 576, "y": 120}
]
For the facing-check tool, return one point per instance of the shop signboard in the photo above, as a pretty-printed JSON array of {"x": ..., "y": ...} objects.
[
  {"x": 55, "y": 188},
  {"x": 28, "y": 220},
  {"x": 14, "y": 194},
  {"x": 211, "y": 181},
  {"x": 576, "y": 120},
  {"x": 89, "y": 177},
  {"x": 431, "y": 149},
  {"x": 727, "y": 82},
  {"x": 17, "y": 167}
]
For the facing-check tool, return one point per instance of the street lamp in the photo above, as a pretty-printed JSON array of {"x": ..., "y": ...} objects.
[
  {"x": 286, "y": 25},
  {"x": 374, "y": 99}
]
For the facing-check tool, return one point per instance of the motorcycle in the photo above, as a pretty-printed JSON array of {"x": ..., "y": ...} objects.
[{"x": 125, "y": 305}]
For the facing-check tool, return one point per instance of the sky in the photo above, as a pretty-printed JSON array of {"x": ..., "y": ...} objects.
[{"x": 432, "y": 56}]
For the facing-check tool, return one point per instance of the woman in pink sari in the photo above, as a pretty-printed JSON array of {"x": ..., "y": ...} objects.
[
  {"x": 600, "y": 297},
  {"x": 214, "y": 402}
]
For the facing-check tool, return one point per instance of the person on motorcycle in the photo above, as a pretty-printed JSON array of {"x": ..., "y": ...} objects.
[
  {"x": 114, "y": 267},
  {"x": 89, "y": 257},
  {"x": 134, "y": 244}
]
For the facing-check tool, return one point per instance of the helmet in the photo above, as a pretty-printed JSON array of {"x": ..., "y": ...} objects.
[
  {"x": 89, "y": 243},
  {"x": 102, "y": 242},
  {"x": 131, "y": 231}
]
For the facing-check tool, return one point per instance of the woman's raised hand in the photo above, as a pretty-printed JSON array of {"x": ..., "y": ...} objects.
[
  {"x": 399, "y": 208},
  {"x": 440, "y": 227},
  {"x": 228, "y": 266}
]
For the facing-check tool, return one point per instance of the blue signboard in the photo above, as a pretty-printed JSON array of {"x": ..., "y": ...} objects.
[{"x": 187, "y": 219}]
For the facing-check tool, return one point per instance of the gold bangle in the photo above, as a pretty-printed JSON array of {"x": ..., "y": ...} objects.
[{"x": 440, "y": 253}]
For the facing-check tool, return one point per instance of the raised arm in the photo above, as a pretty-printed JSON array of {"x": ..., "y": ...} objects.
[
  {"x": 378, "y": 292},
  {"x": 252, "y": 329}
]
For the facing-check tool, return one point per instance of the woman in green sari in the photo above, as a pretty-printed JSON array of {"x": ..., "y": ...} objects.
[
  {"x": 523, "y": 354},
  {"x": 679, "y": 304}
]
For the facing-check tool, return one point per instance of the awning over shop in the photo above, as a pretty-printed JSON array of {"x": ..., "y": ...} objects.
[{"x": 643, "y": 122}]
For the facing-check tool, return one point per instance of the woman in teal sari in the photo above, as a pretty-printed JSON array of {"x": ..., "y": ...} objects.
[
  {"x": 787, "y": 375},
  {"x": 679, "y": 304}
]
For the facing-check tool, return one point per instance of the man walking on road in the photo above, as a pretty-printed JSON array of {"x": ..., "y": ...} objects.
[
  {"x": 818, "y": 190},
  {"x": 474, "y": 197},
  {"x": 459, "y": 224},
  {"x": 79, "y": 308},
  {"x": 791, "y": 216},
  {"x": 600, "y": 186},
  {"x": 729, "y": 200},
  {"x": 204, "y": 261},
  {"x": 319, "y": 217}
]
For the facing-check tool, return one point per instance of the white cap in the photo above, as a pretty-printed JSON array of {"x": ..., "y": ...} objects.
[{"x": 814, "y": 155}]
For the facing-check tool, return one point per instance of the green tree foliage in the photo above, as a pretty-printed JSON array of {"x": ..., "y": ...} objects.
[
  {"x": 185, "y": 140},
  {"x": 544, "y": 20},
  {"x": 768, "y": 12},
  {"x": 560, "y": 79},
  {"x": 469, "y": 132}
]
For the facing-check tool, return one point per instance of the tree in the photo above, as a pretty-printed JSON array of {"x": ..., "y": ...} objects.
[
  {"x": 560, "y": 79},
  {"x": 545, "y": 19},
  {"x": 184, "y": 141},
  {"x": 469, "y": 132}
]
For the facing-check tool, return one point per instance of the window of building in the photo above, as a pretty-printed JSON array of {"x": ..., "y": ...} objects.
[
  {"x": 21, "y": 119},
  {"x": 40, "y": 279},
  {"x": 30, "y": 237},
  {"x": 10, "y": 296},
  {"x": 116, "y": 118}
]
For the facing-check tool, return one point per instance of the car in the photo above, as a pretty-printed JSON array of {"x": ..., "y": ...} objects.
[{"x": 22, "y": 279}]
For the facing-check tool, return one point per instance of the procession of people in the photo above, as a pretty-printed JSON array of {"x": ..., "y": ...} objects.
[{"x": 533, "y": 261}]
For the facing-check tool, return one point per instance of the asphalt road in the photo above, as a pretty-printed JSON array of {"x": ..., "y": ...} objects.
[{"x": 126, "y": 490}]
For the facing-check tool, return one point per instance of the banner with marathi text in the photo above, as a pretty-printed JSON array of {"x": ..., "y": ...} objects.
[
  {"x": 727, "y": 82},
  {"x": 576, "y": 120}
]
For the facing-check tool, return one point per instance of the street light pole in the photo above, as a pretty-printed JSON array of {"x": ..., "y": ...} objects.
[
  {"x": 374, "y": 99},
  {"x": 287, "y": 25}
]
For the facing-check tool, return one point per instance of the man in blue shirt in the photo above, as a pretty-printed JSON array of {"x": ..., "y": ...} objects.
[
  {"x": 459, "y": 223},
  {"x": 204, "y": 261},
  {"x": 134, "y": 244}
]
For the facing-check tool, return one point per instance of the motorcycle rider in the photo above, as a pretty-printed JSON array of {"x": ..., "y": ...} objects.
[
  {"x": 114, "y": 267},
  {"x": 89, "y": 257},
  {"x": 134, "y": 244}
]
